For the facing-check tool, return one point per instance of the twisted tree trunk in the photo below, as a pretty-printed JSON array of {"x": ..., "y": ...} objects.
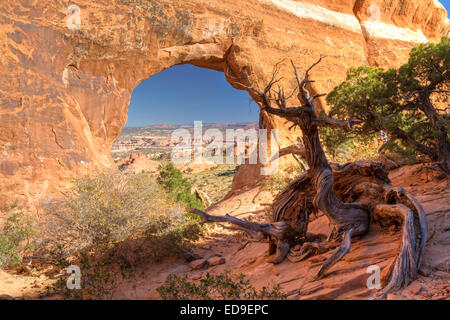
[{"x": 350, "y": 195}]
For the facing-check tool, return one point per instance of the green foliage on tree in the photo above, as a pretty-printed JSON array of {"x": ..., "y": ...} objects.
[
  {"x": 178, "y": 187},
  {"x": 408, "y": 105}
]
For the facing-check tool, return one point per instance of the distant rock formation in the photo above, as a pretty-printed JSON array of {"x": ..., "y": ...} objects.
[
  {"x": 68, "y": 72},
  {"x": 138, "y": 163}
]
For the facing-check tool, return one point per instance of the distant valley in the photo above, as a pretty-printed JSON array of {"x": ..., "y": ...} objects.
[{"x": 155, "y": 140}]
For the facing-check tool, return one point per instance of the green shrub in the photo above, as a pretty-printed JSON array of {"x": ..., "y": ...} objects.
[
  {"x": 224, "y": 286},
  {"x": 111, "y": 223},
  {"x": 98, "y": 279},
  {"x": 405, "y": 106},
  {"x": 16, "y": 230},
  {"x": 107, "y": 209},
  {"x": 276, "y": 183},
  {"x": 111, "y": 207},
  {"x": 178, "y": 187}
]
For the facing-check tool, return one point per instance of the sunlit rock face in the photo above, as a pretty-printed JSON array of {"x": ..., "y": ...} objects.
[
  {"x": 392, "y": 28},
  {"x": 68, "y": 68}
]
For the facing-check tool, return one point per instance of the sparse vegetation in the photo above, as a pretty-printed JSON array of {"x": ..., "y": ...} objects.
[
  {"x": 15, "y": 236},
  {"x": 98, "y": 279},
  {"x": 224, "y": 286},
  {"x": 178, "y": 187},
  {"x": 112, "y": 222},
  {"x": 215, "y": 182},
  {"x": 112, "y": 207}
]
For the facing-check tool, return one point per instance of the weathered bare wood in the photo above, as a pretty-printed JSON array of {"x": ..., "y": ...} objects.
[
  {"x": 308, "y": 249},
  {"x": 403, "y": 208},
  {"x": 349, "y": 218},
  {"x": 293, "y": 149},
  {"x": 279, "y": 230},
  {"x": 338, "y": 254},
  {"x": 349, "y": 195}
]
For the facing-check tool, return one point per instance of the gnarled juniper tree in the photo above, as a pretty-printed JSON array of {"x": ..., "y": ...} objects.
[
  {"x": 353, "y": 196},
  {"x": 409, "y": 104}
]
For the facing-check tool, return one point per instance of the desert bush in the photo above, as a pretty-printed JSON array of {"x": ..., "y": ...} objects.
[
  {"x": 111, "y": 223},
  {"x": 99, "y": 278},
  {"x": 177, "y": 186},
  {"x": 276, "y": 183},
  {"x": 106, "y": 209},
  {"x": 224, "y": 286},
  {"x": 111, "y": 207},
  {"x": 16, "y": 231}
]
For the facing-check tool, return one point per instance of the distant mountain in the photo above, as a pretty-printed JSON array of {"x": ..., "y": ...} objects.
[
  {"x": 209, "y": 125},
  {"x": 161, "y": 126}
]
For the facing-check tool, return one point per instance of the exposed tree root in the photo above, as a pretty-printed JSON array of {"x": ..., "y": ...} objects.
[
  {"x": 338, "y": 254},
  {"x": 367, "y": 186},
  {"x": 309, "y": 249},
  {"x": 351, "y": 196},
  {"x": 281, "y": 231},
  {"x": 407, "y": 211}
]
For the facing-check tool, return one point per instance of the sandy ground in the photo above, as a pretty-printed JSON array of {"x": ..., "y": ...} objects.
[{"x": 346, "y": 280}]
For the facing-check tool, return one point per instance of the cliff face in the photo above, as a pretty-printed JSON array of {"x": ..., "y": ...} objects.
[
  {"x": 68, "y": 68},
  {"x": 389, "y": 25}
]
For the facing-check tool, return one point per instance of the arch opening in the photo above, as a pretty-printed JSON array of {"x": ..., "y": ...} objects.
[{"x": 172, "y": 100}]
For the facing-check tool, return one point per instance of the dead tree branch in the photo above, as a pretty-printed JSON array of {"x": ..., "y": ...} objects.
[{"x": 350, "y": 195}]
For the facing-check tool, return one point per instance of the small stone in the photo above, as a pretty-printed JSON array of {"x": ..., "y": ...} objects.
[
  {"x": 442, "y": 274},
  {"x": 391, "y": 296},
  {"x": 196, "y": 276},
  {"x": 425, "y": 271},
  {"x": 439, "y": 297},
  {"x": 248, "y": 262},
  {"x": 189, "y": 256},
  {"x": 24, "y": 270},
  {"x": 215, "y": 261},
  {"x": 198, "y": 264},
  {"x": 275, "y": 271},
  {"x": 415, "y": 288}
]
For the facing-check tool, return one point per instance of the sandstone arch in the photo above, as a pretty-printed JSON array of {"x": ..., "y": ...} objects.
[{"x": 66, "y": 80}]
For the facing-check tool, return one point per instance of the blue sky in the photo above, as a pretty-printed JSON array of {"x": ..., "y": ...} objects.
[
  {"x": 446, "y": 4},
  {"x": 184, "y": 94}
]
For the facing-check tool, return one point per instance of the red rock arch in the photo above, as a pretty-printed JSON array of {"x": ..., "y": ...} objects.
[{"x": 66, "y": 81}]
